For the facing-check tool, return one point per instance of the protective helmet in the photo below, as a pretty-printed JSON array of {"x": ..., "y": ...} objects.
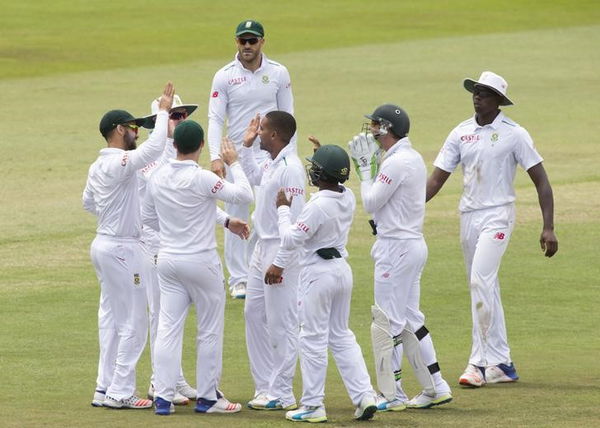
[
  {"x": 329, "y": 163},
  {"x": 390, "y": 116}
]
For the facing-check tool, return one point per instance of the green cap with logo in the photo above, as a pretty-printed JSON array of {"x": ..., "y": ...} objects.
[
  {"x": 188, "y": 135},
  {"x": 251, "y": 27},
  {"x": 117, "y": 117}
]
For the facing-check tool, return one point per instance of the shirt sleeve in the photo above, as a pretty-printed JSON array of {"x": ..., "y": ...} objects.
[
  {"x": 150, "y": 150},
  {"x": 293, "y": 236},
  {"x": 149, "y": 214},
  {"x": 251, "y": 168},
  {"x": 292, "y": 180},
  {"x": 525, "y": 153},
  {"x": 449, "y": 156},
  {"x": 221, "y": 216},
  {"x": 89, "y": 204},
  {"x": 215, "y": 187},
  {"x": 217, "y": 112},
  {"x": 285, "y": 98},
  {"x": 376, "y": 193}
]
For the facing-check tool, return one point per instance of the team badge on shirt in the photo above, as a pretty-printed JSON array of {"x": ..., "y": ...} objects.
[
  {"x": 494, "y": 137},
  {"x": 265, "y": 79},
  {"x": 136, "y": 279}
]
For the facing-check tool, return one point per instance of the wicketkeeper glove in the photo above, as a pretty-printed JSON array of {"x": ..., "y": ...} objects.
[{"x": 365, "y": 153}]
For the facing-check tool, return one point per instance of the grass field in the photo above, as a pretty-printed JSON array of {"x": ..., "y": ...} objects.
[{"x": 64, "y": 63}]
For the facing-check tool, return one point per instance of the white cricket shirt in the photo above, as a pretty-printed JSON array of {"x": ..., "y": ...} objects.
[
  {"x": 489, "y": 156},
  {"x": 112, "y": 188},
  {"x": 181, "y": 204},
  {"x": 396, "y": 198},
  {"x": 238, "y": 94},
  {"x": 285, "y": 171},
  {"x": 324, "y": 222}
]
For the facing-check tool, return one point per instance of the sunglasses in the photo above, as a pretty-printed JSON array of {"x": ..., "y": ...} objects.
[
  {"x": 131, "y": 126},
  {"x": 178, "y": 115},
  {"x": 251, "y": 40}
]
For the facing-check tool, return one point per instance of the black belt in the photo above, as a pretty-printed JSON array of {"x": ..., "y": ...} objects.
[
  {"x": 329, "y": 253},
  {"x": 373, "y": 227}
]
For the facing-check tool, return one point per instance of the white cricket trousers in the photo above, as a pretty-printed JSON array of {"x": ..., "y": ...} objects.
[
  {"x": 235, "y": 249},
  {"x": 398, "y": 267},
  {"x": 484, "y": 236},
  {"x": 189, "y": 279},
  {"x": 122, "y": 317},
  {"x": 271, "y": 313},
  {"x": 324, "y": 295},
  {"x": 153, "y": 295}
]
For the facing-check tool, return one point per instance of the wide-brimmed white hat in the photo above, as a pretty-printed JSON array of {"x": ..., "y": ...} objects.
[
  {"x": 177, "y": 103},
  {"x": 492, "y": 81}
]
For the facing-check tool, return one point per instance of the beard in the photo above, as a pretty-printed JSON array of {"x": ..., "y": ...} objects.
[{"x": 130, "y": 141}]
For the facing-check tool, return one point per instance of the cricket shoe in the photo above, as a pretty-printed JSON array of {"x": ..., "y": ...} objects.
[
  {"x": 178, "y": 398},
  {"x": 501, "y": 373},
  {"x": 366, "y": 408},
  {"x": 220, "y": 405},
  {"x": 184, "y": 389},
  {"x": 383, "y": 405},
  {"x": 307, "y": 414},
  {"x": 133, "y": 402},
  {"x": 262, "y": 402},
  {"x": 238, "y": 291},
  {"x": 473, "y": 376},
  {"x": 163, "y": 407},
  {"x": 99, "y": 396},
  {"x": 425, "y": 401}
]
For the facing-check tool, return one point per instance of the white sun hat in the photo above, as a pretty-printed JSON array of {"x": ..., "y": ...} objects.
[{"x": 492, "y": 81}]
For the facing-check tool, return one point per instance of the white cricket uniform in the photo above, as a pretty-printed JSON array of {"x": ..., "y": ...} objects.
[
  {"x": 271, "y": 311},
  {"x": 181, "y": 205},
  {"x": 489, "y": 156},
  {"x": 112, "y": 194},
  {"x": 324, "y": 294},
  {"x": 237, "y": 95},
  {"x": 396, "y": 199}
]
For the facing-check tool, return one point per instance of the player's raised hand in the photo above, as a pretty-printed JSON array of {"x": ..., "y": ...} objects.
[
  {"x": 315, "y": 142},
  {"x": 166, "y": 99},
  {"x": 238, "y": 227},
  {"x": 252, "y": 131},
  {"x": 548, "y": 243},
  {"x": 282, "y": 198},
  {"x": 218, "y": 167},
  {"x": 228, "y": 153},
  {"x": 363, "y": 151}
]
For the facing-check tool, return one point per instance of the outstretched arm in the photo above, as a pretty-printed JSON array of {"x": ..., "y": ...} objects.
[
  {"x": 435, "y": 182},
  {"x": 548, "y": 240}
]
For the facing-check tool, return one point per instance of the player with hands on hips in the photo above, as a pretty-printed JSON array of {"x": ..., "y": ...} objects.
[
  {"x": 489, "y": 146},
  {"x": 181, "y": 206},
  {"x": 271, "y": 310},
  {"x": 325, "y": 287},
  {"x": 112, "y": 194},
  {"x": 395, "y": 196}
]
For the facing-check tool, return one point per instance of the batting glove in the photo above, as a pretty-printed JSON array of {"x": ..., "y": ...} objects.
[{"x": 365, "y": 151}]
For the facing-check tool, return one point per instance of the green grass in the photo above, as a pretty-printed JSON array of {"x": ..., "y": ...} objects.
[{"x": 72, "y": 61}]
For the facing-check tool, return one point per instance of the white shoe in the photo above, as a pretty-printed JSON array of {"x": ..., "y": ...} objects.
[
  {"x": 383, "y": 405},
  {"x": 186, "y": 390},
  {"x": 221, "y": 405},
  {"x": 99, "y": 397},
  {"x": 425, "y": 401},
  {"x": 366, "y": 408},
  {"x": 178, "y": 399},
  {"x": 501, "y": 373},
  {"x": 307, "y": 414},
  {"x": 262, "y": 402},
  {"x": 133, "y": 402},
  {"x": 238, "y": 291},
  {"x": 473, "y": 376}
]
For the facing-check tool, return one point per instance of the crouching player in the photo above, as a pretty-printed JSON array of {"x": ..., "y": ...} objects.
[{"x": 325, "y": 287}]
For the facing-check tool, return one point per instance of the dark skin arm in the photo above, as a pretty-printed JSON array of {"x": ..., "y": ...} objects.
[
  {"x": 435, "y": 182},
  {"x": 548, "y": 240},
  {"x": 274, "y": 273}
]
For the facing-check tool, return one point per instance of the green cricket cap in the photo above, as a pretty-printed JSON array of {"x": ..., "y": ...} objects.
[
  {"x": 249, "y": 26},
  {"x": 188, "y": 134},
  {"x": 111, "y": 119}
]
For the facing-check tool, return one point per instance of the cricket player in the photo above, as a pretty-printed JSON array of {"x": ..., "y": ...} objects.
[
  {"x": 112, "y": 194},
  {"x": 271, "y": 310},
  {"x": 251, "y": 84},
  {"x": 489, "y": 146},
  {"x": 325, "y": 287},
  {"x": 181, "y": 206},
  {"x": 394, "y": 194},
  {"x": 150, "y": 239}
]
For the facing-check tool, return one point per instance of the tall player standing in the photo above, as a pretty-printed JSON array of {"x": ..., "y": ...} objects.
[
  {"x": 112, "y": 194},
  {"x": 489, "y": 146},
  {"x": 251, "y": 84}
]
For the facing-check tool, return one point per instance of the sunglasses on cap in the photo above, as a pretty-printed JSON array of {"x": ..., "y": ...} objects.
[
  {"x": 251, "y": 40},
  {"x": 178, "y": 115}
]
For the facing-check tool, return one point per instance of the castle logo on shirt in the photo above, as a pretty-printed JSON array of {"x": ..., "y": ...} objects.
[
  {"x": 218, "y": 185},
  {"x": 384, "y": 178},
  {"x": 471, "y": 138}
]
